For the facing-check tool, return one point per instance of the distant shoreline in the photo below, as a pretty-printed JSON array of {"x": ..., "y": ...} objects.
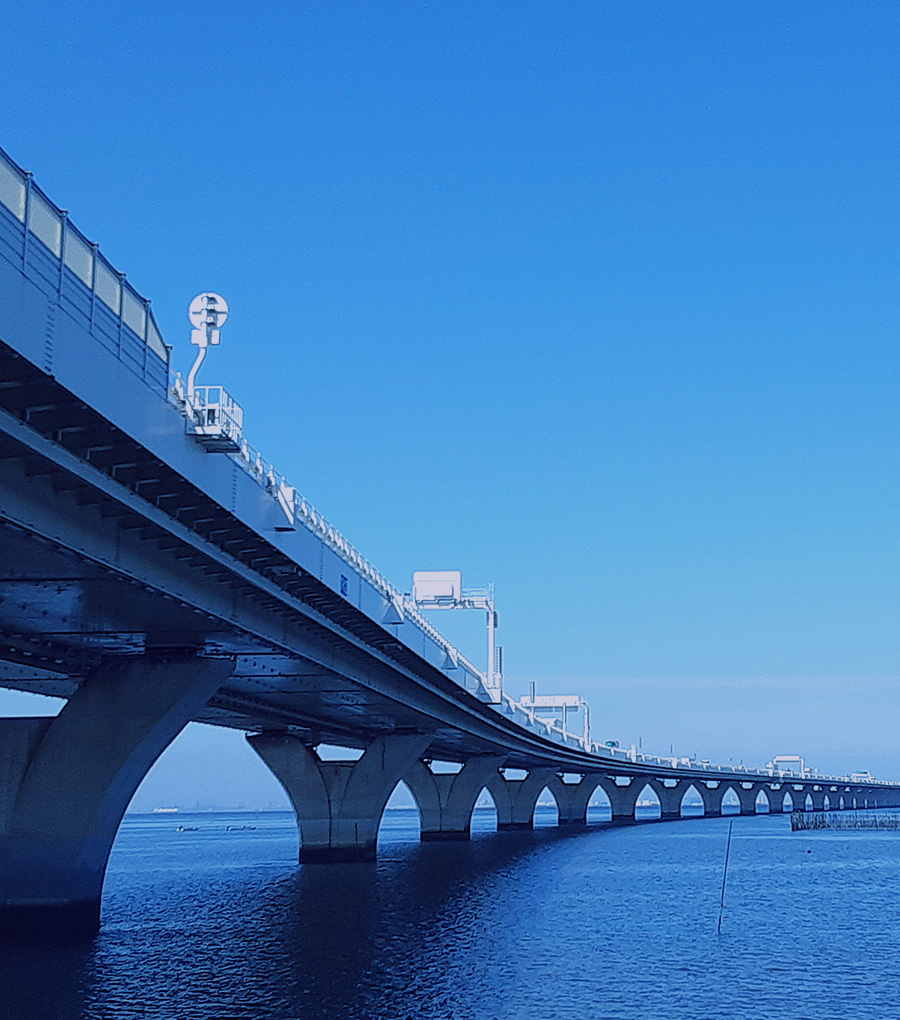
[{"x": 170, "y": 813}]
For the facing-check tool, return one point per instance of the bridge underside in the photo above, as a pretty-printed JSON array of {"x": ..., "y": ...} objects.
[{"x": 61, "y": 616}]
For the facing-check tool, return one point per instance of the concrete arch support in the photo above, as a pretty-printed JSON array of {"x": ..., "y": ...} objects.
[
  {"x": 338, "y": 804},
  {"x": 446, "y": 802},
  {"x": 423, "y": 787},
  {"x": 670, "y": 798},
  {"x": 516, "y": 798},
  {"x": 65, "y": 783},
  {"x": 572, "y": 799},
  {"x": 747, "y": 796},
  {"x": 798, "y": 797},
  {"x": 711, "y": 797},
  {"x": 622, "y": 799}
]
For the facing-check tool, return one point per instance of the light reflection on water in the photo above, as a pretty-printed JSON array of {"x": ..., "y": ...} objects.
[{"x": 605, "y": 923}]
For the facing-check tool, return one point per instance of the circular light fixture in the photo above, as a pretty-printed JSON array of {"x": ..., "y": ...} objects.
[{"x": 208, "y": 310}]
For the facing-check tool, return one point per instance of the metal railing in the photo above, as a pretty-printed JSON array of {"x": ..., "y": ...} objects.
[
  {"x": 217, "y": 419},
  {"x": 298, "y": 508},
  {"x": 47, "y": 225}
]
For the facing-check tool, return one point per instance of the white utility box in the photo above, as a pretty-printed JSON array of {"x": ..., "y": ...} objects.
[{"x": 437, "y": 587}]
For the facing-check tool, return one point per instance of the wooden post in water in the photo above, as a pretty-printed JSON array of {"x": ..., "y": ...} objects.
[{"x": 725, "y": 877}]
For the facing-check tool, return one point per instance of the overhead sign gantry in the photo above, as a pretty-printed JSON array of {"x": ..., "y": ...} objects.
[{"x": 442, "y": 589}]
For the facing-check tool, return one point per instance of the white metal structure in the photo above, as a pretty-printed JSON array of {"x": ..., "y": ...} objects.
[
  {"x": 788, "y": 765},
  {"x": 207, "y": 313},
  {"x": 218, "y": 419},
  {"x": 215, "y": 418},
  {"x": 442, "y": 589},
  {"x": 559, "y": 706},
  {"x": 437, "y": 589}
]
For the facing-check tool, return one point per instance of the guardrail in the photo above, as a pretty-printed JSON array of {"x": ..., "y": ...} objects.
[
  {"x": 61, "y": 260},
  {"x": 299, "y": 508}
]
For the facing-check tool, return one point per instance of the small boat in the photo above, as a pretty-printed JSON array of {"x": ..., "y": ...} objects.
[{"x": 188, "y": 828}]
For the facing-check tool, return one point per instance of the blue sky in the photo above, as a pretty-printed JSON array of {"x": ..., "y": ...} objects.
[{"x": 596, "y": 301}]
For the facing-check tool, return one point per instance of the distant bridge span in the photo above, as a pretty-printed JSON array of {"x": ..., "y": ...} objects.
[{"x": 152, "y": 582}]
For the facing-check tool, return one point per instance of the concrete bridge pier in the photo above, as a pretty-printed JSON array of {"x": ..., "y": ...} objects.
[
  {"x": 573, "y": 798},
  {"x": 516, "y": 798},
  {"x": 747, "y": 794},
  {"x": 338, "y": 804},
  {"x": 65, "y": 783},
  {"x": 712, "y": 797},
  {"x": 446, "y": 802},
  {"x": 623, "y": 799},
  {"x": 798, "y": 797},
  {"x": 670, "y": 798},
  {"x": 775, "y": 797}
]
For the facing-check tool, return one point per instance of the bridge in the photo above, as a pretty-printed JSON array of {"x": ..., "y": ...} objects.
[{"x": 156, "y": 569}]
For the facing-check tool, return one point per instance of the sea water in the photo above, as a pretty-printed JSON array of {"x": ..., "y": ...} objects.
[{"x": 219, "y": 921}]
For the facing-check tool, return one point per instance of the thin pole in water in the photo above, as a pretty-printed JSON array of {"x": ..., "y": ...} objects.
[{"x": 725, "y": 877}]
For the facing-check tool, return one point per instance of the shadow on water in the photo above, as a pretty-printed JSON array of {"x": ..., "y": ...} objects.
[{"x": 387, "y": 929}]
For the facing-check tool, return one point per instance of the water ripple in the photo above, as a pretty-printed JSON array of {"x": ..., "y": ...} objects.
[{"x": 611, "y": 924}]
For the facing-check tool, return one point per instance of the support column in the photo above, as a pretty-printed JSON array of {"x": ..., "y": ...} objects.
[
  {"x": 446, "y": 802},
  {"x": 711, "y": 797},
  {"x": 516, "y": 798},
  {"x": 65, "y": 783},
  {"x": 573, "y": 798},
  {"x": 622, "y": 799},
  {"x": 775, "y": 798},
  {"x": 798, "y": 797},
  {"x": 747, "y": 797},
  {"x": 670, "y": 798},
  {"x": 338, "y": 804}
]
